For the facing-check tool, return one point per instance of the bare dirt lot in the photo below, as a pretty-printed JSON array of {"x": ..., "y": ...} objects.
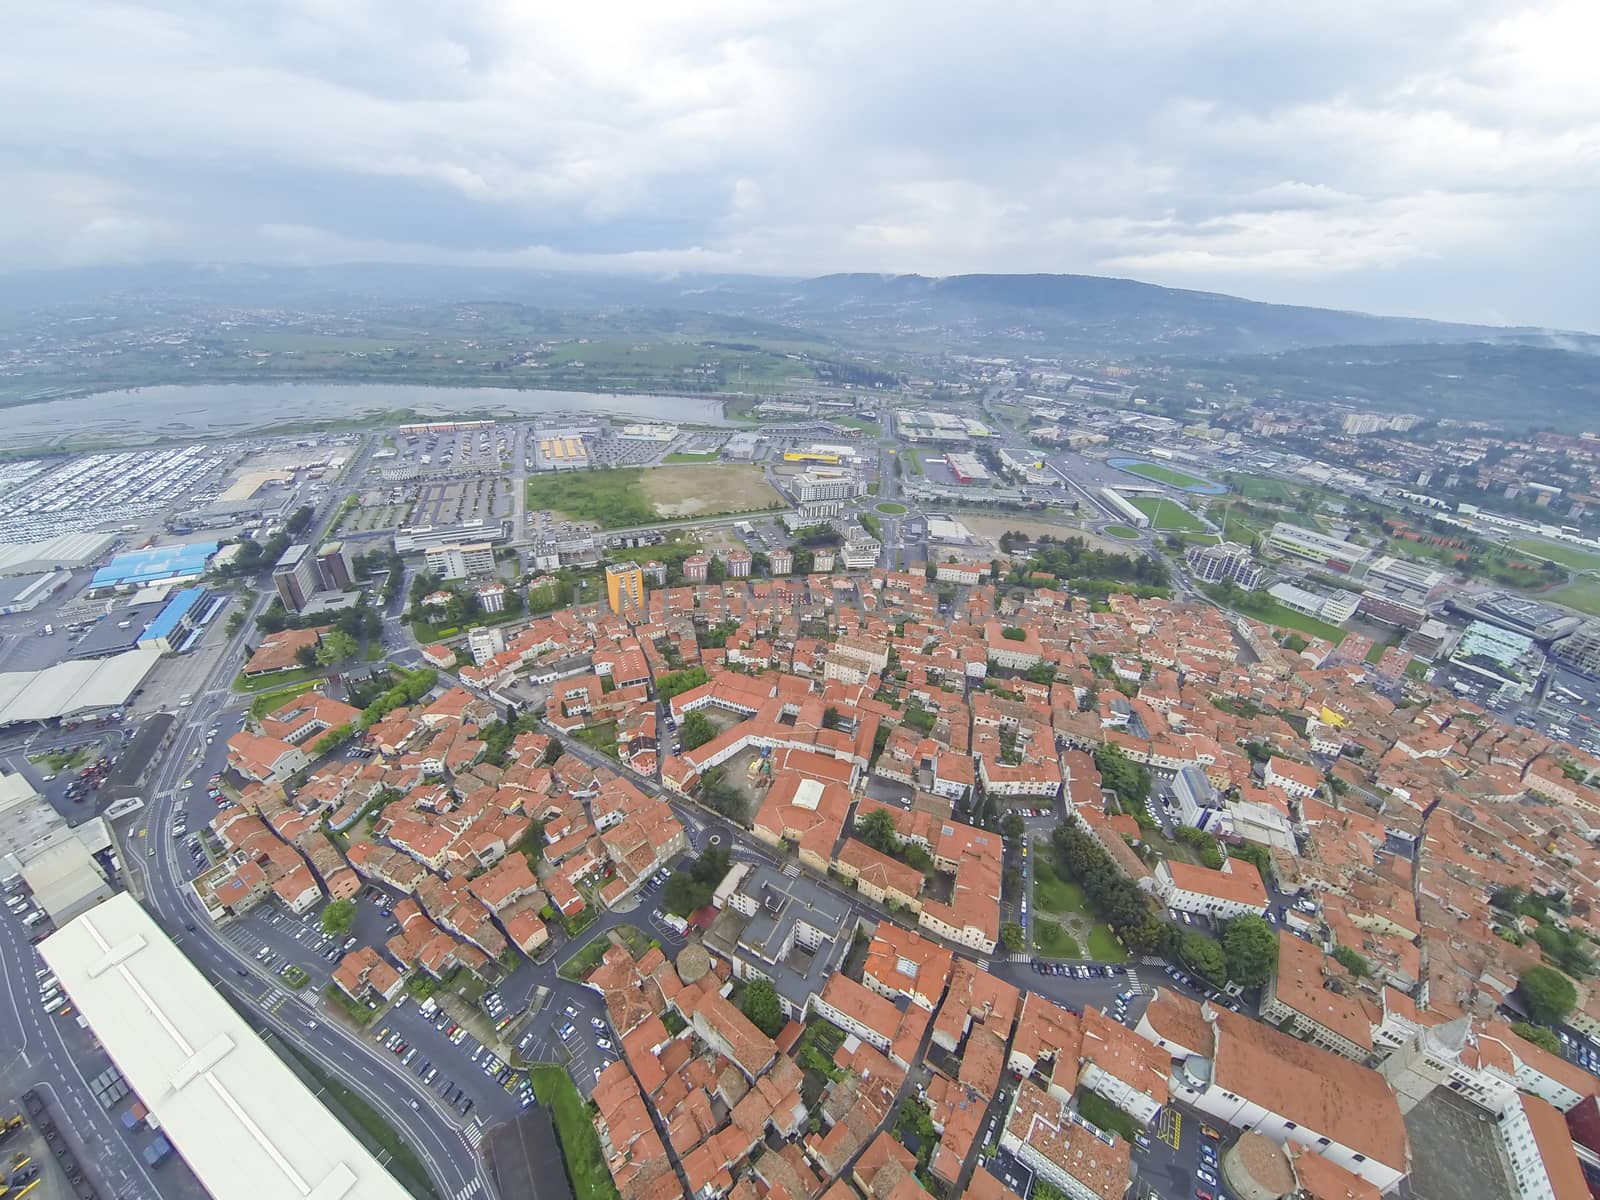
[
  {"x": 689, "y": 491},
  {"x": 993, "y": 527}
]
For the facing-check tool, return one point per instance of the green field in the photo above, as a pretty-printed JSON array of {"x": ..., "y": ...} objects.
[
  {"x": 266, "y": 702},
  {"x": 1167, "y": 516},
  {"x": 1104, "y": 947},
  {"x": 580, "y": 1145},
  {"x": 616, "y": 499},
  {"x": 871, "y": 428},
  {"x": 1160, "y": 474},
  {"x": 1264, "y": 608},
  {"x": 1126, "y": 532},
  {"x": 1567, "y": 556},
  {"x": 912, "y": 460},
  {"x": 1055, "y": 941},
  {"x": 1053, "y": 893},
  {"x": 273, "y": 679},
  {"x": 1259, "y": 487},
  {"x": 1581, "y": 594},
  {"x": 890, "y": 509},
  {"x": 681, "y": 457}
]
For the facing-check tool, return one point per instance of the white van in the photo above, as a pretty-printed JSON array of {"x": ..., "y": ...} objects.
[
  {"x": 54, "y": 1005},
  {"x": 33, "y": 918}
]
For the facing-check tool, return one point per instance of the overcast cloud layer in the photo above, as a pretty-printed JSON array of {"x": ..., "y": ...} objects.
[{"x": 1428, "y": 157}]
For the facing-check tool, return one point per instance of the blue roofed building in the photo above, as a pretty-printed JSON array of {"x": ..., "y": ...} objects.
[
  {"x": 156, "y": 564},
  {"x": 173, "y": 623}
]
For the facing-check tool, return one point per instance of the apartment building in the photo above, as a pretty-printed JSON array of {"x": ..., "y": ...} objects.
[
  {"x": 625, "y": 587},
  {"x": 295, "y": 577},
  {"x": 1227, "y": 563},
  {"x": 460, "y": 561},
  {"x": 1234, "y": 891}
]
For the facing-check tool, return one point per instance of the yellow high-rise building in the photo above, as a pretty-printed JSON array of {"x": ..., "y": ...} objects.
[{"x": 625, "y": 587}]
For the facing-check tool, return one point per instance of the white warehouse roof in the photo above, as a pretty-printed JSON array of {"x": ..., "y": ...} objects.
[
  {"x": 245, "y": 1124},
  {"x": 70, "y": 550},
  {"x": 70, "y": 688}
]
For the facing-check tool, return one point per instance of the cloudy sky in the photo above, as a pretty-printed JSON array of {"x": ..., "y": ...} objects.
[{"x": 1428, "y": 157}]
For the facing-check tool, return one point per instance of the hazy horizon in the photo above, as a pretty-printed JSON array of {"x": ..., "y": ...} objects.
[{"x": 1425, "y": 159}]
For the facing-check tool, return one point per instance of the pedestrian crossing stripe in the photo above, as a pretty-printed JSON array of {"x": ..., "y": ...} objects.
[
  {"x": 473, "y": 1136},
  {"x": 472, "y": 1189}
]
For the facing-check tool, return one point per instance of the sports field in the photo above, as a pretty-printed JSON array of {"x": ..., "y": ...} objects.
[
  {"x": 1170, "y": 476},
  {"x": 1567, "y": 556},
  {"x": 1167, "y": 516}
]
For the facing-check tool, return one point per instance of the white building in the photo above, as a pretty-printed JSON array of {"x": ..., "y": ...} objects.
[
  {"x": 1246, "y": 1074},
  {"x": 1315, "y": 546},
  {"x": 244, "y": 1123},
  {"x": 1234, "y": 891},
  {"x": 861, "y": 552},
  {"x": 485, "y": 644},
  {"x": 460, "y": 561},
  {"x": 1227, "y": 563},
  {"x": 822, "y": 484}
]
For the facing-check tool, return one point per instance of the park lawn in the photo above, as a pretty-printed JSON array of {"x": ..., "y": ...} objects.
[
  {"x": 1160, "y": 474},
  {"x": 1104, "y": 947},
  {"x": 1168, "y": 516},
  {"x": 1054, "y": 894},
  {"x": 1581, "y": 594},
  {"x": 1259, "y": 487},
  {"x": 679, "y": 456},
  {"x": 1418, "y": 669},
  {"x": 580, "y": 1144},
  {"x": 890, "y": 509},
  {"x": 1126, "y": 532},
  {"x": 1567, "y": 556},
  {"x": 1054, "y": 941}
]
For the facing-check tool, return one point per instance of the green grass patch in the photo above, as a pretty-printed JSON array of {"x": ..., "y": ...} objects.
[
  {"x": 580, "y": 1145},
  {"x": 871, "y": 428},
  {"x": 1264, "y": 608},
  {"x": 584, "y": 961},
  {"x": 369, "y": 1125},
  {"x": 294, "y": 977},
  {"x": 911, "y": 460},
  {"x": 1053, "y": 893},
  {"x": 1167, "y": 516},
  {"x": 1160, "y": 474},
  {"x": 1418, "y": 669},
  {"x": 1259, "y": 487},
  {"x": 615, "y": 499},
  {"x": 272, "y": 679},
  {"x": 1102, "y": 1113},
  {"x": 1104, "y": 947},
  {"x": 890, "y": 509},
  {"x": 265, "y": 702},
  {"x": 679, "y": 456},
  {"x": 1126, "y": 532},
  {"x": 60, "y": 760},
  {"x": 600, "y": 737},
  {"x": 1054, "y": 941},
  {"x": 1567, "y": 556}
]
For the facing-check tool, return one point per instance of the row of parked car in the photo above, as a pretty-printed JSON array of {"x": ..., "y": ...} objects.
[{"x": 1079, "y": 970}]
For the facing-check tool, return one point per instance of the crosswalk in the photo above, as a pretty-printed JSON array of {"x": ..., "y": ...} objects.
[
  {"x": 473, "y": 1136},
  {"x": 983, "y": 964},
  {"x": 792, "y": 871},
  {"x": 1019, "y": 956},
  {"x": 472, "y": 1189},
  {"x": 272, "y": 999},
  {"x": 1134, "y": 985}
]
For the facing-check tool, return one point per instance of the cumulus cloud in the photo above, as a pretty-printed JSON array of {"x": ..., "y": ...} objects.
[{"x": 1437, "y": 157}]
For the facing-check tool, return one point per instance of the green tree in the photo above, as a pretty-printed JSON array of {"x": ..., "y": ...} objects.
[
  {"x": 698, "y": 729},
  {"x": 1250, "y": 947},
  {"x": 1011, "y": 937},
  {"x": 337, "y": 647},
  {"x": 877, "y": 829},
  {"x": 1538, "y": 1035},
  {"x": 1549, "y": 994},
  {"x": 1012, "y": 825},
  {"x": 306, "y": 656},
  {"x": 1352, "y": 961},
  {"x": 759, "y": 1001},
  {"x": 338, "y": 917},
  {"x": 1204, "y": 956}
]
